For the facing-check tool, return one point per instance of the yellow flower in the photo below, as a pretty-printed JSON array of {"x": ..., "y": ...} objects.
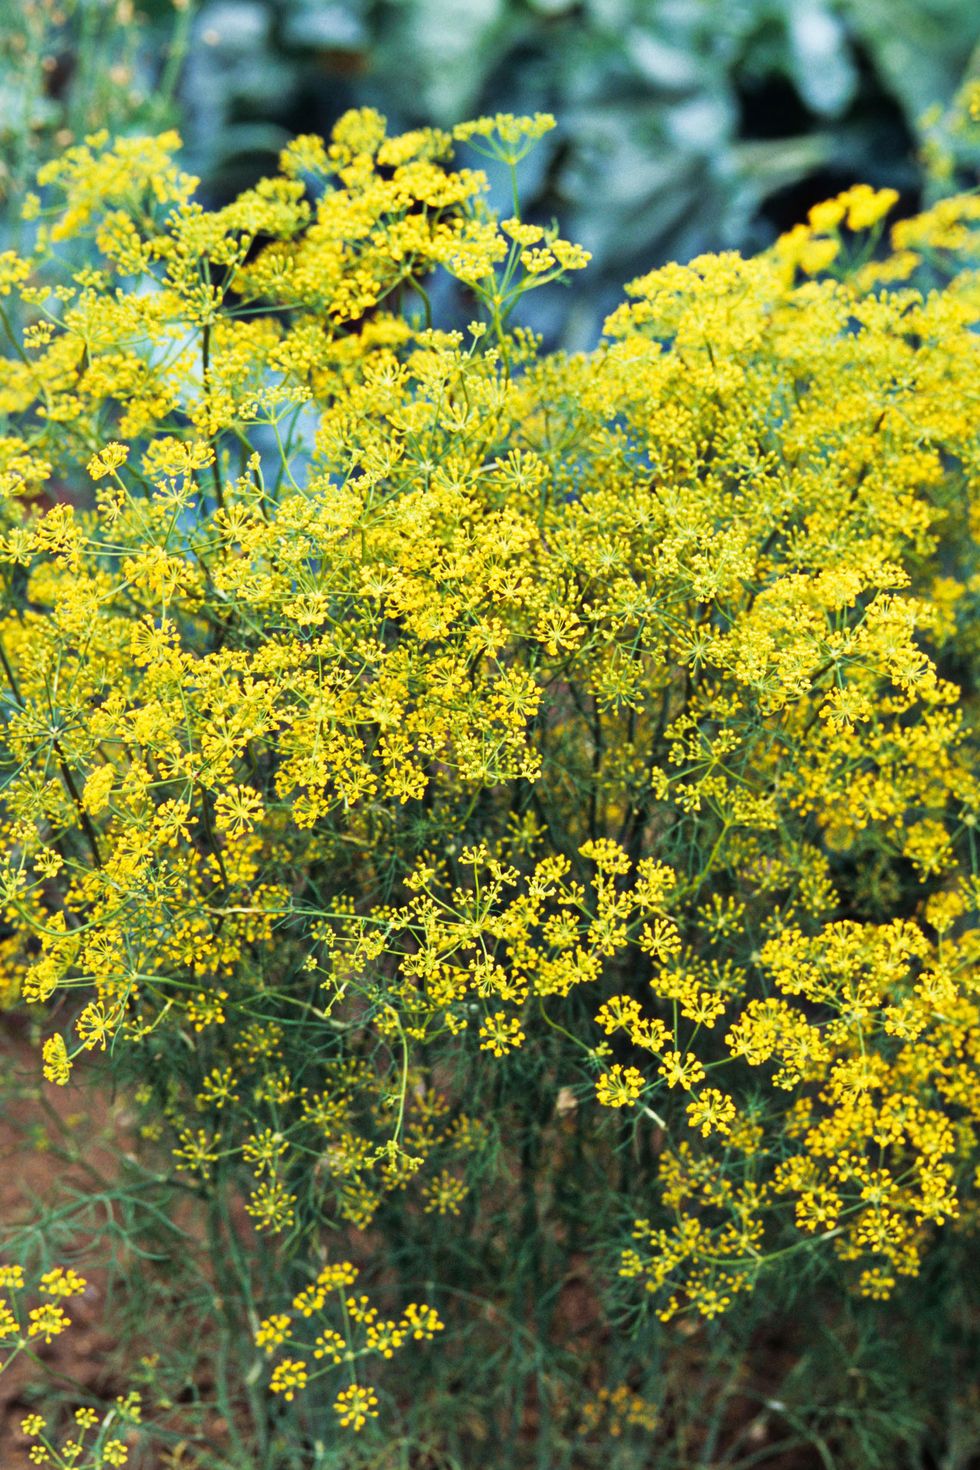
[
  {"x": 236, "y": 810},
  {"x": 501, "y": 1033},
  {"x": 422, "y": 1321},
  {"x": 711, "y": 1112},
  {"x": 330, "y": 1345},
  {"x": 9, "y": 1327},
  {"x": 355, "y": 1405},
  {"x": 47, "y": 1321},
  {"x": 827, "y": 215},
  {"x": 340, "y": 1273},
  {"x": 681, "y": 1070},
  {"x": 57, "y": 1064},
  {"x": 197, "y": 1151},
  {"x": 108, "y": 459},
  {"x": 272, "y": 1331},
  {"x": 620, "y": 1086},
  {"x": 445, "y": 1193},
  {"x": 866, "y": 206},
  {"x": 288, "y": 1376},
  {"x": 62, "y": 1282},
  {"x": 271, "y": 1207}
]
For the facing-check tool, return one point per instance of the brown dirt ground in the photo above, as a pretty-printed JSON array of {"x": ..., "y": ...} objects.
[{"x": 27, "y": 1177}]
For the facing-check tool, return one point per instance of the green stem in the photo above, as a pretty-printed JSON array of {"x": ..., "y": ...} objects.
[{"x": 219, "y": 489}]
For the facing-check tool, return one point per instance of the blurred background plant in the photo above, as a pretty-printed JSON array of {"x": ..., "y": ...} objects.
[
  {"x": 683, "y": 125},
  {"x": 69, "y": 67}
]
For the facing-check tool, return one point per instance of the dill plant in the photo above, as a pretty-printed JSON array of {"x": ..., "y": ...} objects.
[{"x": 505, "y": 822}]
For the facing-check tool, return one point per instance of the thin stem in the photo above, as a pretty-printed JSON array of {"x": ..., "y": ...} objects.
[{"x": 219, "y": 489}]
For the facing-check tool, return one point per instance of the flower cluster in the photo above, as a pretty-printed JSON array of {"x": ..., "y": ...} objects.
[
  {"x": 365, "y": 1334},
  {"x": 93, "y": 1442},
  {"x": 404, "y": 728},
  {"x": 20, "y": 1329}
]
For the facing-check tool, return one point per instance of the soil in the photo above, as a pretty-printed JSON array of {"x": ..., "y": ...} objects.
[{"x": 28, "y": 1175}]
